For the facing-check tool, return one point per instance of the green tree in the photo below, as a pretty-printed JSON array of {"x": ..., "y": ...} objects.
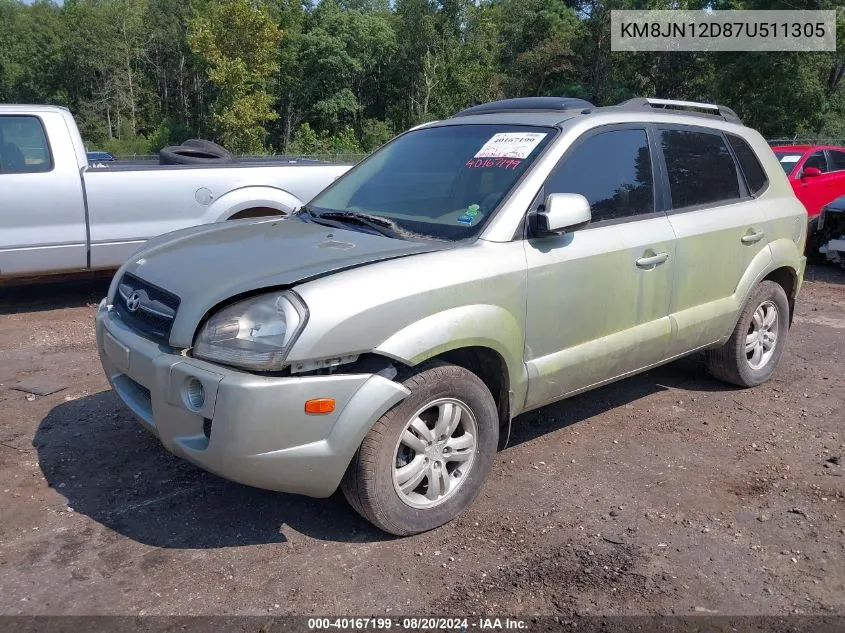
[
  {"x": 540, "y": 46},
  {"x": 139, "y": 74},
  {"x": 308, "y": 142},
  {"x": 174, "y": 70},
  {"x": 423, "y": 42},
  {"x": 374, "y": 134},
  {"x": 30, "y": 52},
  {"x": 343, "y": 56},
  {"x": 238, "y": 40}
]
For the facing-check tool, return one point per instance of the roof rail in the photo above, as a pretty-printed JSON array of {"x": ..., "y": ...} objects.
[
  {"x": 527, "y": 104},
  {"x": 711, "y": 109}
]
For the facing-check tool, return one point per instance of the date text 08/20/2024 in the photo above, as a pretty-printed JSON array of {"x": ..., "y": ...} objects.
[{"x": 417, "y": 624}]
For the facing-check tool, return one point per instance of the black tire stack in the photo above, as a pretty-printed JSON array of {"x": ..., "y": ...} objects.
[{"x": 196, "y": 151}]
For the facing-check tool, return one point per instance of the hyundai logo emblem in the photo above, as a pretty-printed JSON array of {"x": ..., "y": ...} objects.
[{"x": 133, "y": 302}]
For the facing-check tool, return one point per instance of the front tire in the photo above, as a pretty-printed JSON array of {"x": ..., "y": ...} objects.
[
  {"x": 752, "y": 353},
  {"x": 425, "y": 461}
]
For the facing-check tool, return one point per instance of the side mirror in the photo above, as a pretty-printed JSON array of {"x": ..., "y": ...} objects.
[
  {"x": 563, "y": 212},
  {"x": 811, "y": 172}
]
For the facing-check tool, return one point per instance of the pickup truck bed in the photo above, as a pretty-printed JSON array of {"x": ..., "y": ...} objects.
[
  {"x": 248, "y": 162},
  {"x": 58, "y": 213}
]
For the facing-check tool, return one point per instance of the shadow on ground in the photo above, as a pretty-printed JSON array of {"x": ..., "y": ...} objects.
[
  {"x": 688, "y": 374},
  {"x": 96, "y": 455},
  {"x": 53, "y": 294},
  {"x": 828, "y": 273},
  {"x": 110, "y": 469}
]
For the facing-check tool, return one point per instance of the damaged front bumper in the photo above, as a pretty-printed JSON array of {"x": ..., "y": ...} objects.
[{"x": 249, "y": 428}]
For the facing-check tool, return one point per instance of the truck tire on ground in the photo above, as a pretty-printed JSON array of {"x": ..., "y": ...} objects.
[
  {"x": 425, "y": 461},
  {"x": 752, "y": 353}
]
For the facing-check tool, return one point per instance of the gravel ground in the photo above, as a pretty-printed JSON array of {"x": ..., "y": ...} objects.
[{"x": 667, "y": 493}]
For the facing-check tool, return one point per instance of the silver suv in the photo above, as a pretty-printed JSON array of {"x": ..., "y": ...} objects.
[{"x": 383, "y": 337}]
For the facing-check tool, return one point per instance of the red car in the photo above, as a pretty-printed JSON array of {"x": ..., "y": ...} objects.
[{"x": 817, "y": 174}]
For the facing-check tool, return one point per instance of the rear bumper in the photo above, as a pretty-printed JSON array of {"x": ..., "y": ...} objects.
[{"x": 248, "y": 428}]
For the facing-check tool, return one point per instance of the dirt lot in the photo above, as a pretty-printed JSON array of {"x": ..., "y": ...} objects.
[{"x": 666, "y": 493}]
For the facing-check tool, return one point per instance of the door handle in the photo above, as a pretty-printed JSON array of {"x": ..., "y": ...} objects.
[
  {"x": 652, "y": 260},
  {"x": 753, "y": 238}
]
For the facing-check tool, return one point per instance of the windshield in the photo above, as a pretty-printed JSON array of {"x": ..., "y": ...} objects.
[
  {"x": 788, "y": 160},
  {"x": 441, "y": 182}
]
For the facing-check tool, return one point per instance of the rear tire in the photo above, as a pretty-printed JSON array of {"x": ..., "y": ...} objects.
[
  {"x": 753, "y": 351},
  {"x": 425, "y": 461}
]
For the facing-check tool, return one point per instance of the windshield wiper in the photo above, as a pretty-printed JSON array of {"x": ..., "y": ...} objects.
[
  {"x": 304, "y": 210},
  {"x": 381, "y": 225}
]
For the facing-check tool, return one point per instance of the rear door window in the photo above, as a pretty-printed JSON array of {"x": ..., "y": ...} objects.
[
  {"x": 755, "y": 175},
  {"x": 612, "y": 170},
  {"x": 23, "y": 146},
  {"x": 700, "y": 168}
]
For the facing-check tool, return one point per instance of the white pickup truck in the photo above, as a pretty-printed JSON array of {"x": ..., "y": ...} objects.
[{"x": 59, "y": 213}]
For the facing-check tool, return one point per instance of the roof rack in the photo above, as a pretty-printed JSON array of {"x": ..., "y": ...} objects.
[
  {"x": 710, "y": 109},
  {"x": 527, "y": 104}
]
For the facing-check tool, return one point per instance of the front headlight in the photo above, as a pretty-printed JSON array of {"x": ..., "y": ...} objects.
[{"x": 256, "y": 333}]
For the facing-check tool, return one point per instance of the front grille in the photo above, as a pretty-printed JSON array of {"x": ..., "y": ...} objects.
[{"x": 145, "y": 308}]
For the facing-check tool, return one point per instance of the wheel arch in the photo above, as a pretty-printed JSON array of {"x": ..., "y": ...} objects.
[
  {"x": 781, "y": 262},
  {"x": 485, "y": 362},
  {"x": 787, "y": 278},
  {"x": 484, "y": 339},
  {"x": 491, "y": 367},
  {"x": 253, "y": 202}
]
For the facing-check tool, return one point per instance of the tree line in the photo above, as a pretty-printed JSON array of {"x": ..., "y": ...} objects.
[{"x": 309, "y": 76}]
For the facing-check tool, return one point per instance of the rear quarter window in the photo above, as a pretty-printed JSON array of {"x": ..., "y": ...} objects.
[
  {"x": 700, "y": 168},
  {"x": 755, "y": 175}
]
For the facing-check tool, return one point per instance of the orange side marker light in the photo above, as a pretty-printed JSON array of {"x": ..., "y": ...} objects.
[{"x": 319, "y": 406}]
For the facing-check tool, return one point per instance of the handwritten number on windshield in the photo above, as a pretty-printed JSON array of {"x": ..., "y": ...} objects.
[{"x": 502, "y": 163}]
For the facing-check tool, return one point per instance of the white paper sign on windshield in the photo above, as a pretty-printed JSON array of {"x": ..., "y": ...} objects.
[
  {"x": 790, "y": 158},
  {"x": 511, "y": 145}
]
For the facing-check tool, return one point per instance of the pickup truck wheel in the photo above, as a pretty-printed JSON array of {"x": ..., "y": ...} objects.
[
  {"x": 425, "y": 460},
  {"x": 751, "y": 355}
]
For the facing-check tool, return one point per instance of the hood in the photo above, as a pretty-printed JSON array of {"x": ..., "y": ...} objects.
[{"x": 205, "y": 266}]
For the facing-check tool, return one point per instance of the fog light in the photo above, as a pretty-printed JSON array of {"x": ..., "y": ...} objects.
[
  {"x": 194, "y": 394},
  {"x": 320, "y": 405}
]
